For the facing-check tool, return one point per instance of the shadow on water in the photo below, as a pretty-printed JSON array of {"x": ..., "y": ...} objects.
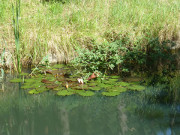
[{"x": 130, "y": 113}]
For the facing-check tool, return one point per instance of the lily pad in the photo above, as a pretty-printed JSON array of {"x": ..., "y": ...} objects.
[
  {"x": 58, "y": 66},
  {"x": 30, "y": 80},
  {"x": 136, "y": 87},
  {"x": 111, "y": 94},
  {"x": 80, "y": 87},
  {"x": 92, "y": 84},
  {"x": 102, "y": 85},
  {"x": 16, "y": 80},
  {"x": 95, "y": 88},
  {"x": 33, "y": 91},
  {"x": 23, "y": 74},
  {"x": 64, "y": 93},
  {"x": 52, "y": 86},
  {"x": 27, "y": 86},
  {"x": 123, "y": 83},
  {"x": 118, "y": 89},
  {"x": 110, "y": 81},
  {"x": 41, "y": 89},
  {"x": 86, "y": 93},
  {"x": 115, "y": 77},
  {"x": 59, "y": 88}
]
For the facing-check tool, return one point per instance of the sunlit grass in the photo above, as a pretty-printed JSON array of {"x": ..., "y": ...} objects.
[{"x": 56, "y": 28}]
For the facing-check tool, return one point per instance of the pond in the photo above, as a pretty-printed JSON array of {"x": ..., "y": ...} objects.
[{"x": 147, "y": 112}]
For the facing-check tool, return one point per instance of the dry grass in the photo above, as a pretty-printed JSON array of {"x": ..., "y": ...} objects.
[{"x": 55, "y": 29}]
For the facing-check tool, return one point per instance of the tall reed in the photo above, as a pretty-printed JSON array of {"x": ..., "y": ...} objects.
[{"x": 16, "y": 15}]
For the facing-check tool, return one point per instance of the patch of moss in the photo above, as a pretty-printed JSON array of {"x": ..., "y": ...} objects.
[{"x": 111, "y": 94}]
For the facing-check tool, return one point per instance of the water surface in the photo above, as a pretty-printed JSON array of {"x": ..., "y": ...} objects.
[{"x": 150, "y": 112}]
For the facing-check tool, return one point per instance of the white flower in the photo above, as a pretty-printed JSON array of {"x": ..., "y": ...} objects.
[{"x": 80, "y": 80}]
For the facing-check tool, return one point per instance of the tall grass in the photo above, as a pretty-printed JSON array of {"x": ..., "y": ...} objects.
[
  {"x": 16, "y": 15},
  {"x": 55, "y": 28}
]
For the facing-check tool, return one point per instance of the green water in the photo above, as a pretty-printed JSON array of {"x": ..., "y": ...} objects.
[{"x": 149, "y": 112}]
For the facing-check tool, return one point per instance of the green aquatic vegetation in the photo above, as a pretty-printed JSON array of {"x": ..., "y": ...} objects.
[
  {"x": 93, "y": 84},
  {"x": 16, "y": 80},
  {"x": 41, "y": 89},
  {"x": 111, "y": 94},
  {"x": 86, "y": 93},
  {"x": 118, "y": 89},
  {"x": 27, "y": 86},
  {"x": 65, "y": 93},
  {"x": 102, "y": 85},
  {"x": 58, "y": 88},
  {"x": 33, "y": 91},
  {"x": 80, "y": 87},
  {"x": 30, "y": 80},
  {"x": 123, "y": 84},
  {"x": 58, "y": 66},
  {"x": 50, "y": 78},
  {"x": 24, "y": 74},
  {"x": 136, "y": 87},
  {"x": 110, "y": 81},
  {"x": 115, "y": 77},
  {"x": 95, "y": 88}
]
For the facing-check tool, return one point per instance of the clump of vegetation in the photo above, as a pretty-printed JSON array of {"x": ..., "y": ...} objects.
[
  {"x": 121, "y": 58},
  {"x": 54, "y": 28},
  {"x": 59, "y": 82}
]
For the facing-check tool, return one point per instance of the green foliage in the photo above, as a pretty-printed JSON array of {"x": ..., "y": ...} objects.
[
  {"x": 64, "y": 93},
  {"x": 16, "y": 15},
  {"x": 104, "y": 58},
  {"x": 16, "y": 80},
  {"x": 111, "y": 94},
  {"x": 86, "y": 93}
]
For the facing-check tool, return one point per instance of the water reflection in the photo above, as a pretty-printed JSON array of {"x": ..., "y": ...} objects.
[{"x": 131, "y": 113}]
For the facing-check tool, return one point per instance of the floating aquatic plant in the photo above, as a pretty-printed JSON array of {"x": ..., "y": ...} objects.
[
  {"x": 86, "y": 93},
  {"x": 110, "y": 94},
  {"x": 33, "y": 91},
  {"x": 123, "y": 83},
  {"x": 58, "y": 66},
  {"x": 65, "y": 93},
  {"x": 16, "y": 80},
  {"x": 136, "y": 87},
  {"x": 118, "y": 89},
  {"x": 115, "y": 77},
  {"x": 95, "y": 88}
]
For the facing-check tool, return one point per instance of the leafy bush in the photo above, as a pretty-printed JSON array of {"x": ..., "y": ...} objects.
[
  {"x": 104, "y": 58},
  {"x": 121, "y": 57}
]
